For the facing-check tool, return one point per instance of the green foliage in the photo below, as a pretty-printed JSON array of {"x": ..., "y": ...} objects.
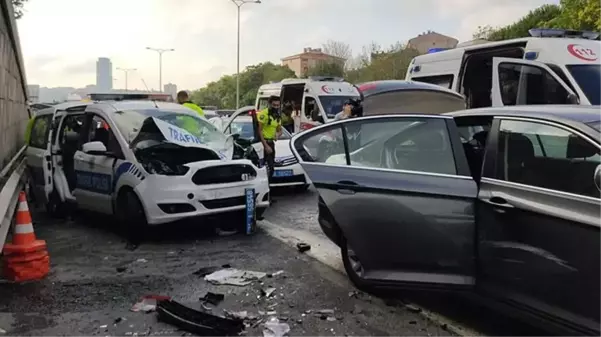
[
  {"x": 18, "y": 7},
  {"x": 570, "y": 14},
  {"x": 222, "y": 93}
]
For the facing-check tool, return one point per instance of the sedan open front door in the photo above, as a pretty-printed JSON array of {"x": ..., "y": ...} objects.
[{"x": 400, "y": 195}]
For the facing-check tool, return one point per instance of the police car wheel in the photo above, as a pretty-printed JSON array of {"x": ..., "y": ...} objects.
[
  {"x": 129, "y": 210},
  {"x": 352, "y": 265},
  {"x": 55, "y": 207}
]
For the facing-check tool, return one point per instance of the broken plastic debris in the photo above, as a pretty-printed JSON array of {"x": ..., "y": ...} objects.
[
  {"x": 303, "y": 247},
  {"x": 204, "y": 271},
  {"x": 331, "y": 319},
  {"x": 271, "y": 313},
  {"x": 103, "y": 326},
  {"x": 141, "y": 260},
  {"x": 326, "y": 311},
  {"x": 148, "y": 303},
  {"x": 197, "y": 322},
  {"x": 241, "y": 315},
  {"x": 267, "y": 292},
  {"x": 235, "y": 277},
  {"x": 213, "y": 298},
  {"x": 274, "y": 328}
]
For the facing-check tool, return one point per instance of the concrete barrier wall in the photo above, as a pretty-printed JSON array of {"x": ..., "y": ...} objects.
[{"x": 13, "y": 87}]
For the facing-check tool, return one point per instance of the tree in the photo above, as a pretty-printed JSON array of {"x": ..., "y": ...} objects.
[
  {"x": 483, "y": 32},
  {"x": 338, "y": 49},
  {"x": 331, "y": 68},
  {"x": 579, "y": 15},
  {"x": 18, "y": 7},
  {"x": 222, "y": 93}
]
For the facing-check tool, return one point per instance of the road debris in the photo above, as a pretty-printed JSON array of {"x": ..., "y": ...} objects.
[
  {"x": 103, "y": 326},
  {"x": 119, "y": 320},
  {"x": 2, "y": 331},
  {"x": 204, "y": 271},
  {"x": 141, "y": 261},
  {"x": 303, "y": 247},
  {"x": 197, "y": 322},
  {"x": 241, "y": 315},
  {"x": 274, "y": 328},
  {"x": 148, "y": 303},
  {"x": 213, "y": 298},
  {"x": 267, "y": 292},
  {"x": 279, "y": 272},
  {"x": 412, "y": 308},
  {"x": 235, "y": 277}
]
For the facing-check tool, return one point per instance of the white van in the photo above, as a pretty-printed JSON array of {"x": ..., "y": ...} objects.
[
  {"x": 553, "y": 66},
  {"x": 320, "y": 98}
]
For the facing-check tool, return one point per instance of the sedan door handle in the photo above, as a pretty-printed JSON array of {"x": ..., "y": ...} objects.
[
  {"x": 498, "y": 202},
  {"x": 346, "y": 183}
]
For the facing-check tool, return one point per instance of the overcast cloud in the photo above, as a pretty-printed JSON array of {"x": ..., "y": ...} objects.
[{"x": 61, "y": 39}]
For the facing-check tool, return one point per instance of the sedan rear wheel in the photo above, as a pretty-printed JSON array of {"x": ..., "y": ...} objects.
[{"x": 353, "y": 266}]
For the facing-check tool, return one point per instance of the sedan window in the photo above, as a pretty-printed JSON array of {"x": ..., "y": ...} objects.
[
  {"x": 420, "y": 145},
  {"x": 546, "y": 156}
]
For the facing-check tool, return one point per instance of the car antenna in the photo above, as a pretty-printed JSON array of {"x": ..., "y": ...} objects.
[{"x": 153, "y": 101}]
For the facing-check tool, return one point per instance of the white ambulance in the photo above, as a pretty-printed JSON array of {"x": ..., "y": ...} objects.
[
  {"x": 320, "y": 98},
  {"x": 553, "y": 66}
]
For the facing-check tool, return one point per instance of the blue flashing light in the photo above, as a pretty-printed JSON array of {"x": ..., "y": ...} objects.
[
  {"x": 436, "y": 50},
  {"x": 566, "y": 33},
  {"x": 531, "y": 55}
]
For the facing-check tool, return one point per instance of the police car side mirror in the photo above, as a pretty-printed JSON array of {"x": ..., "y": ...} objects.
[
  {"x": 94, "y": 148},
  {"x": 573, "y": 99}
]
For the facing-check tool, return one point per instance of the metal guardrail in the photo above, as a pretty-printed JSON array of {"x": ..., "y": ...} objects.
[{"x": 9, "y": 194}]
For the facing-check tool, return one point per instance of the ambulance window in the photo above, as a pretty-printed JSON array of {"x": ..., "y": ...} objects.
[
  {"x": 309, "y": 106},
  {"x": 262, "y": 103},
  {"x": 521, "y": 84}
]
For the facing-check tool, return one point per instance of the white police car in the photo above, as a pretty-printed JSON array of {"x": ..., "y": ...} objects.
[{"x": 135, "y": 160}]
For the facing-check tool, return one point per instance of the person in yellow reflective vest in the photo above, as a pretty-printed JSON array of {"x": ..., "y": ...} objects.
[
  {"x": 28, "y": 129},
  {"x": 184, "y": 99},
  {"x": 270, "y": 128}
]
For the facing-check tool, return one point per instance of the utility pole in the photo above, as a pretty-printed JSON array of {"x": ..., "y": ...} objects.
[
  {"x": 160, "y": 51},
  {"x": 239, "y": 4},
  {"x": 126, "y": 71}
]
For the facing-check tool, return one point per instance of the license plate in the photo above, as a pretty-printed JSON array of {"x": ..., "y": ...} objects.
[{"x": 282, "y": 173}]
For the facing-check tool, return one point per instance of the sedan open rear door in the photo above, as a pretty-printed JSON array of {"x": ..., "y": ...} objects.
[{"x": 401, "y": 195}]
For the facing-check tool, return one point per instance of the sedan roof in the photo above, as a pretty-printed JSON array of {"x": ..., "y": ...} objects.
[
  {"x": 380, "y": 87},
  {"x": 567, "y": 113}
]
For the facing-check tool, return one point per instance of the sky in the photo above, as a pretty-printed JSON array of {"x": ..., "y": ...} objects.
[{"x": 62, "y": 39}]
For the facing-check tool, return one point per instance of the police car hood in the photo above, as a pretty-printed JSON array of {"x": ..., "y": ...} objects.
[{"x": 160, "y": 132}]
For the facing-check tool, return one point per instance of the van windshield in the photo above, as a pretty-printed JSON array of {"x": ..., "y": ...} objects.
[
  {"x": 588, "y": 77},
  {"x": 333, "y": 104}
]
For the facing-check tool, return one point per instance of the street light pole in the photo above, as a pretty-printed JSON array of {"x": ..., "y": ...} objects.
[
  {"x": 126, "y": 71},
  {"x": 239, "y": 4},
  {"x": 160, "y": 51}
]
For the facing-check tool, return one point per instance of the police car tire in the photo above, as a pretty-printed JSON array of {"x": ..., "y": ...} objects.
[
  {"x": 129, "y": 210},
  {"x": 55, "y": 206}
]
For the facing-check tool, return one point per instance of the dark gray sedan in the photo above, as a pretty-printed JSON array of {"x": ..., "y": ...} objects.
[{"x": 502, "y": 201}]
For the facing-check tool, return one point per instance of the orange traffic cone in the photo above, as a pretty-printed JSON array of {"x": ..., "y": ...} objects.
[{"x": 26, "y": 258}]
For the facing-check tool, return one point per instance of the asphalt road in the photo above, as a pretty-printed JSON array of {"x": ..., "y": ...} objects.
[{"x": 96, "y": 278}]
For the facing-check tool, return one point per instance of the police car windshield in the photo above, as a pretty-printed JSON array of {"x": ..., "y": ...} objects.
[
  {"x": 130, "y": 121},
  {"x": 333, "y": 104},
  {"x": 588, "y": 77}
]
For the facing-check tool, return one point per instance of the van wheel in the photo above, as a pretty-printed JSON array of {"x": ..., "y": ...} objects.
[
  {"x": 130, "y": 214},
  {"x": 353, "y": 266},
  {"x": 55, "y": 207}
]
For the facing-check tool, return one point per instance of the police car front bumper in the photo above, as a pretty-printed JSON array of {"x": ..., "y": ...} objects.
[{"x": 172, "y": 198}]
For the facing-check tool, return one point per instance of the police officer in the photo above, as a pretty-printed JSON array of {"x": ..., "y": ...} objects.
[
  {"x": 184, "y": 99},
  {"x": 270, "y": 128}
]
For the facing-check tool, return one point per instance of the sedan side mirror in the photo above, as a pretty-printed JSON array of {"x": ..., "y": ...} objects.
[
  {"x": 95, "y": 149},
  {"x": 597, "y": 177}
]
